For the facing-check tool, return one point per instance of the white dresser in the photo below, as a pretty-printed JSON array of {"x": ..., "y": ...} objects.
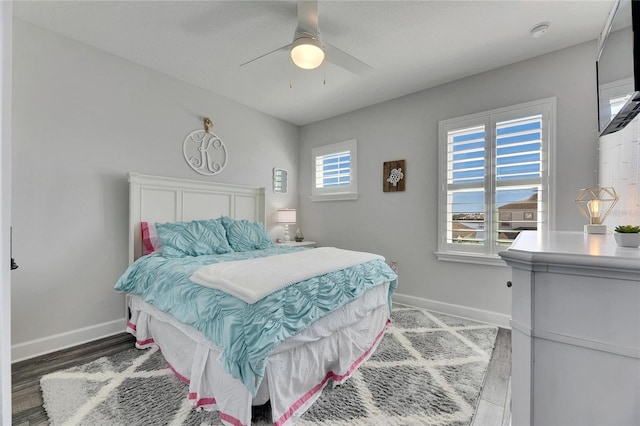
[{"x": 575, "y": 330}]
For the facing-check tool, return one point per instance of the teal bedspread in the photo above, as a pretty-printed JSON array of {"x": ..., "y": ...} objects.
[{"x": 247, "y": 333}]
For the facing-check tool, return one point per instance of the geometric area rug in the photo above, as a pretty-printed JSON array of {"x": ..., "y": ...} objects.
[{"x": 428, "y": 370}]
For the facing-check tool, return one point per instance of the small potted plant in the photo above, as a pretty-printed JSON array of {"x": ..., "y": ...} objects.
[{"x": 627, "y": 236}]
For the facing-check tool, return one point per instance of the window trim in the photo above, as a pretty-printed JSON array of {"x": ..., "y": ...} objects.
[
  {"x": 342, "y": 192},
  {"x": 485, "y": 255}
]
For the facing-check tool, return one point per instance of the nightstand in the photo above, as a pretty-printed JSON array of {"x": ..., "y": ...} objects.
[{"x": 305, "y": 243}]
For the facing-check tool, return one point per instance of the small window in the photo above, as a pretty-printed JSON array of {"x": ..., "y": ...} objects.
[
  {"x": 334, "y": 172},
  {"x": 280, "y": 181}
]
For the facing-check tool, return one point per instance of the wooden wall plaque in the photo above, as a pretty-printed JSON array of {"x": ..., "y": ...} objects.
[{"x": 394, "y": 175}]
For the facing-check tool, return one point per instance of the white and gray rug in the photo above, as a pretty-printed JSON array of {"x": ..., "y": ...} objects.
[{"x": 428, "y": 370}]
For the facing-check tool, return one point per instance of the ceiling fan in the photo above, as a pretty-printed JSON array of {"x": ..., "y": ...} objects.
[{"x": 308, "y": 50}]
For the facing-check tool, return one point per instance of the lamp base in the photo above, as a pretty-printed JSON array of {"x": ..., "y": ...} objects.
[
  {"x": 595, "y": 229},
  {"x": 286, "y": 238}
]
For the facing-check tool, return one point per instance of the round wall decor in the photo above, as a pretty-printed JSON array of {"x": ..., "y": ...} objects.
[{"x": 205, "y": 152}]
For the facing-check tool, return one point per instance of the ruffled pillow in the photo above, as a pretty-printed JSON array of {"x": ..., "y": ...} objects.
[
  {"x": 195, "y": 238},
  {"x": 244, "y": 235}
]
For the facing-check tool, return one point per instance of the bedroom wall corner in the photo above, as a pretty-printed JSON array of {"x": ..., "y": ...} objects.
[
  {"x": 402, "y": 226},
  {"x": 83, "y": 119}
]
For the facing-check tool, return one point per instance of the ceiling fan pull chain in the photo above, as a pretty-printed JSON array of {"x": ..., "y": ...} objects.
[
  {"x": 290, "y": 75},
  {"x": 324, "y": 73}
]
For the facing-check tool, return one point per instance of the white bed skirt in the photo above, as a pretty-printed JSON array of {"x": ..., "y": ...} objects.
[{"x": 297, "y": 370}]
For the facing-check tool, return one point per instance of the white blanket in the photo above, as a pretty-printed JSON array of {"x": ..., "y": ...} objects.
[{"x": 251, "y": 280}]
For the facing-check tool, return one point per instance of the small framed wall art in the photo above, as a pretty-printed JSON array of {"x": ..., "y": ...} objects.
[{"x": 394, "y": 174}]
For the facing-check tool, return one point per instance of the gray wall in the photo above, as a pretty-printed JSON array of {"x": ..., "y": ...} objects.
[
  {"x": 403, "y": 226},
  {"x": 82, "y": 120}
]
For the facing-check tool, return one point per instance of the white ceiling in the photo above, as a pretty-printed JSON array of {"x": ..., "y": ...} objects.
[{"x": 411, "y": 45}]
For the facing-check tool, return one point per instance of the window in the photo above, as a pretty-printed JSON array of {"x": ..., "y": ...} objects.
[
  {"x": 495, "y": 172},
  {"x": 616, "y": 104},
  {"x": 611, "y": 98},
  {"x": 334, "y": 172}
]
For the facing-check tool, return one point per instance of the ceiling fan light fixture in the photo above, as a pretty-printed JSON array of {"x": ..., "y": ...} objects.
[{"x": 307, "y": 53}]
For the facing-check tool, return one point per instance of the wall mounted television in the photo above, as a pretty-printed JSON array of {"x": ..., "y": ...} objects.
[{"x": 618, "y": 67}]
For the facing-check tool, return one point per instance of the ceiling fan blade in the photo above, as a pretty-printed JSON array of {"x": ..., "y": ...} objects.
[
  {"x": 285, "y": 47},
  {"x": 344, "y": 60},
  {"x": 308, "y": 16}
]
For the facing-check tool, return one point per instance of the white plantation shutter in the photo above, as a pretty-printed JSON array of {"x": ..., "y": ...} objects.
[
  {"x": 334, "y": 171},
  {"x": 494, "y": 175},
  {"x": 519, "y": 166},
  {"x": 466, "y": 168},
  {"x": 518, "y": 148}
]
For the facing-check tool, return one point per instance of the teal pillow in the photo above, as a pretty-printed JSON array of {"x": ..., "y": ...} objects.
[
  {"x": 244, "y": 235},
  {"x": 195, "y": 238}
]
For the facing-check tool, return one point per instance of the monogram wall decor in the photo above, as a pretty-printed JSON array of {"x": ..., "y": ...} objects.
[
  {"x": 394, "y": 174},
  {"x": 204, "y": 151}
]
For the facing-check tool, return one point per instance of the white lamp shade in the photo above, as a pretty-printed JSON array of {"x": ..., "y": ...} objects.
[
  {"x": 307, "y": 53},
  {"x": 287, "y": 216}
]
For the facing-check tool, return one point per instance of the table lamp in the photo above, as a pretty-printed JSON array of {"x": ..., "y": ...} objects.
[
  {"x": 286, "y": 217},
  {"x": 595, "y": 204}
]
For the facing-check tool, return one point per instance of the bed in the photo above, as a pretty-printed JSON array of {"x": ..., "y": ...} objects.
[{"x": 243, "y": 345}]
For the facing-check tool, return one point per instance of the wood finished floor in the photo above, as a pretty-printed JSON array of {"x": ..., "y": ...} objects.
[{"x": 494, "y": 408}]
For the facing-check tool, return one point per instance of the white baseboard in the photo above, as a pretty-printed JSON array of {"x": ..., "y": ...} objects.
[
  {"x": 489, "y": 317},
  {"x": 45, "y": 345}
]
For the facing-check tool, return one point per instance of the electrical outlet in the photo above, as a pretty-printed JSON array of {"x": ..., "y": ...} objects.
[{"x": 394, "y": 266}]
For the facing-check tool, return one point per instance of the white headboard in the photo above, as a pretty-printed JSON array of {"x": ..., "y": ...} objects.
[{"x": 163, "y": 199}]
